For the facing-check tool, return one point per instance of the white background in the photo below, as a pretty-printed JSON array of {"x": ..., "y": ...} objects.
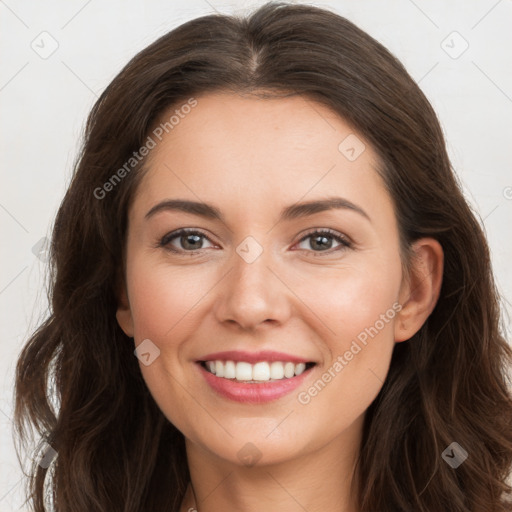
[{"x": 44, "y": 103}]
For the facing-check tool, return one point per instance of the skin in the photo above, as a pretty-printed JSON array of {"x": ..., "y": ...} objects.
[{"x": 250, "y": 158}]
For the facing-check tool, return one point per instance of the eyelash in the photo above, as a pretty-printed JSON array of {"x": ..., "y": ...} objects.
[{"x": 164, "y": 242}]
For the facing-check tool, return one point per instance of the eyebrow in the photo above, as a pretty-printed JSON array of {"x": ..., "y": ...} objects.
[{"x": 294, "y": 211}]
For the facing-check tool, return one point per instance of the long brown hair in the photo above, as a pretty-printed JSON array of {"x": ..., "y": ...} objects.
[{"x": 115, "y": 449}]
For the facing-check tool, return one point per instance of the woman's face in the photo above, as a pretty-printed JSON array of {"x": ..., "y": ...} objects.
[{"x": 255, "y": 277}]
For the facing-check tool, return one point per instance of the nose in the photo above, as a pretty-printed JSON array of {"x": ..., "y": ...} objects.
[{"x": 253, "y": 294}]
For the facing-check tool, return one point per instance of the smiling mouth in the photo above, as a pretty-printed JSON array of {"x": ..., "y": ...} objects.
[{"x": 263, "y": 371}]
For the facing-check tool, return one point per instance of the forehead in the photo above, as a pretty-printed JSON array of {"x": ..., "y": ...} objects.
[{"x": 250, "y": 152}]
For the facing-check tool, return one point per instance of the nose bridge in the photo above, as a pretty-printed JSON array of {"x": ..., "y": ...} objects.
[
  {"x": 251, "y": 264},
  {"x": 252, "y": 294}
]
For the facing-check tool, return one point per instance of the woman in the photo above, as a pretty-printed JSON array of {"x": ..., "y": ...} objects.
[{"x": 268, "y": 290}]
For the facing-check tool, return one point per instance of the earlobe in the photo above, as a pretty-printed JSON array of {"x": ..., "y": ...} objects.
[
  {"x": 124, "y": 313},
  {"x": 420, "y": 292}
]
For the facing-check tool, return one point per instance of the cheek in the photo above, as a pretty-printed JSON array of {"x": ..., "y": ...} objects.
[
  {"x": 162, "y": 298},
  {"x": 359, "y": 309},
  {"x": 354, "y": 301}
]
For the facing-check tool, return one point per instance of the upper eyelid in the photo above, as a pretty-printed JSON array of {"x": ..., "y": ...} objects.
[{"x": 181, "y": 232}]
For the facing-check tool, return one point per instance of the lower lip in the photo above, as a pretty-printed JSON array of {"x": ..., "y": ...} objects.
[{"x": 253, "y": 393}]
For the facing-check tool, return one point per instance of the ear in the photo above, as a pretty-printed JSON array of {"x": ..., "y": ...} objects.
[
  {"x": 124, "y": 312},
  {"x": 420, "y": 290}
]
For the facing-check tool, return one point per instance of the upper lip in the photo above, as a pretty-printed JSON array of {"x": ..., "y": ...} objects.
[{"x": 253, "y": 357}]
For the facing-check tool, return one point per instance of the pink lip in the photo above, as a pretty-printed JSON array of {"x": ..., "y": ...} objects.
[
  {"x": 252, "y": 393},
  {"x": 254, "y": 357}
]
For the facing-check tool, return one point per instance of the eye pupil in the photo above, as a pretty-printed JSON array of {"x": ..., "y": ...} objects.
[
  {"x": 186, "y": 245},
  {"x": 322, "y": 244}
]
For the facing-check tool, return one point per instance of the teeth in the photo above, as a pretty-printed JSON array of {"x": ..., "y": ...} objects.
[
  {"x": 243, "y": 370},
  {"x": 289, "y": 370},
  {"x": 229, "y": 370},
  {"x": 276, "y": 370},
  {"x": 259, "y": 372},
  {"x": 299, "y": 368}
]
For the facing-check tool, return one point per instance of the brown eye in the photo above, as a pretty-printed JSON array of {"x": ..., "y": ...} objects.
[
  {"x": 189, "y": 240},
  {"x": 322, "y": 241}
]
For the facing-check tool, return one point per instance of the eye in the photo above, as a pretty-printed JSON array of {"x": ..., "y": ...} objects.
[
  {"x": 322, "y": 240},
  {"x": 189, "y": 239}
]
